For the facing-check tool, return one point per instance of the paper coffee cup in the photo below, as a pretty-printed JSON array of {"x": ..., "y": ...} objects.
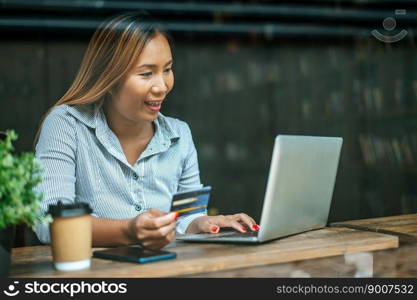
[{"x": 71, "y": 236}]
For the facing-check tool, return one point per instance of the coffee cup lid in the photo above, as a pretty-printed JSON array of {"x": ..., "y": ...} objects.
[{"x": 62, "y": 210}]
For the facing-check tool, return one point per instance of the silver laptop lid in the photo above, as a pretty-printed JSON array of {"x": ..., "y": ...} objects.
[{"x": 300, "y": 185}]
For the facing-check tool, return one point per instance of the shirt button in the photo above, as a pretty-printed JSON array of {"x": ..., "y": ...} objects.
[
  {"x": 135, "y": 176},
  {"x": 138, "y": 207}
]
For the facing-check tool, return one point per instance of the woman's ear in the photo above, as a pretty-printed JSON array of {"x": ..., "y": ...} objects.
[
  {"x": 111, "y": 92},
  {"x": 114, "y": 89}
]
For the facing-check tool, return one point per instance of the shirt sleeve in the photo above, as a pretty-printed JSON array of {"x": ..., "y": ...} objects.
[
  {"x": 190, "y": 178},
  {"x": 56, "y": 151}
]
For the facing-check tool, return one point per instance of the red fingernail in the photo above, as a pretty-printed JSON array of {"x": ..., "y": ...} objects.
[
  {"x": 215, "y": 229},
  {"x": 244, "y": 229},
  {"x": 176, "y": 216},
  {"x": 255, "y": 227}
]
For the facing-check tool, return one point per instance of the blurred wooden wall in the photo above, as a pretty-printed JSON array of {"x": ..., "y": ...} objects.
[{"x": 238, "y": 93}]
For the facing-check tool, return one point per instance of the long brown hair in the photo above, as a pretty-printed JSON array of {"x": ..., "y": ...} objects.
[{"x": 110, "y": 55}]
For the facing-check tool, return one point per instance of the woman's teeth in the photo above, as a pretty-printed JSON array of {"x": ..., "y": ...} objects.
[{"x": 153, "y": 103}]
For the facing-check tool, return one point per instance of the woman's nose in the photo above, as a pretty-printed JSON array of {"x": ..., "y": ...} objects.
[{"x": 160, "y": 86}]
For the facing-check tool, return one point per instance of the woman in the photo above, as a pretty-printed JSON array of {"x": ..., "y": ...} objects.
[{"x": 106, "y": 143}]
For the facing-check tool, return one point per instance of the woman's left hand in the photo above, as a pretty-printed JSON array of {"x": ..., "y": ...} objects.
[{"x": 241, "y": 222}]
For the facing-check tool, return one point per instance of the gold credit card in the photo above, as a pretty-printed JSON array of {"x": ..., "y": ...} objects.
[{"x": 191, "y": 202}]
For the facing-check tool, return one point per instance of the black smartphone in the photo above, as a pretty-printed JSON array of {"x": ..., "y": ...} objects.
[{"x": 134, "y": 254}]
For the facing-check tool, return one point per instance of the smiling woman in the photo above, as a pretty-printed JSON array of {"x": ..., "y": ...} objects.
[
  {"x": 136, "y": 100},
  {"x": 142, "y": 90},
  {"x": 106, "y": 143}
]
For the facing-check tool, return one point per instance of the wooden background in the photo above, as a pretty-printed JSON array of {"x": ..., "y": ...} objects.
[{"x": 238, "y": 91}]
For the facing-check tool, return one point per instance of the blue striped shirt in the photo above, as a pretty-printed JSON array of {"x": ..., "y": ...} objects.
[{"x": 83, "y": 161}]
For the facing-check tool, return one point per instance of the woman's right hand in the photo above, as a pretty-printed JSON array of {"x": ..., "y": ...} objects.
[{"x": 152, "y": 229}]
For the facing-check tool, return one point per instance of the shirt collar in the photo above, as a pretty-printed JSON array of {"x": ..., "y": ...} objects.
[
  {"x": 165, "y": 128},
  {"x": 92, "y": 115},
  {"x": 85, "y": 113}
]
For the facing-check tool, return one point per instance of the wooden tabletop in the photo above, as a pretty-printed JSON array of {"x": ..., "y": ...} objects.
[
  {"x": 209, "y": 257},
  {"x": 403, "y": 226}
]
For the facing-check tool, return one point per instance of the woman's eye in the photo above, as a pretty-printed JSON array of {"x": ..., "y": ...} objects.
[
  {"x": 147, "y": 74},
  {"x": 168, "y": 70}
]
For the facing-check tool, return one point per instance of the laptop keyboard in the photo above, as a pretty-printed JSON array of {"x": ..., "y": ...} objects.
[{"x": 233, "y": 234}]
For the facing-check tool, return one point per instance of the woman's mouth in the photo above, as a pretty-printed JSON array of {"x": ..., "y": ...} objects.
[{"x": 153, "y": 105}]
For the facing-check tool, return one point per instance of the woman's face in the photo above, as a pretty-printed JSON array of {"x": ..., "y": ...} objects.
[{"x": 140, "y": 95}]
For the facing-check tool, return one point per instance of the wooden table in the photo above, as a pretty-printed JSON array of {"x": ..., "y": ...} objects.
[
  {"x": 390, "y": 263},
  {"x": 403, "y": 226},
  {"x": 209, "y": 258}
]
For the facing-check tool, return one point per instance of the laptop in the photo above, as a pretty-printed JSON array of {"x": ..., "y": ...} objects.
[{"x": 298, "y": 194}]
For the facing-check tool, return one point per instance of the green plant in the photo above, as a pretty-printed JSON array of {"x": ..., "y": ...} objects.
[{"x": 19, "y": 174}]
